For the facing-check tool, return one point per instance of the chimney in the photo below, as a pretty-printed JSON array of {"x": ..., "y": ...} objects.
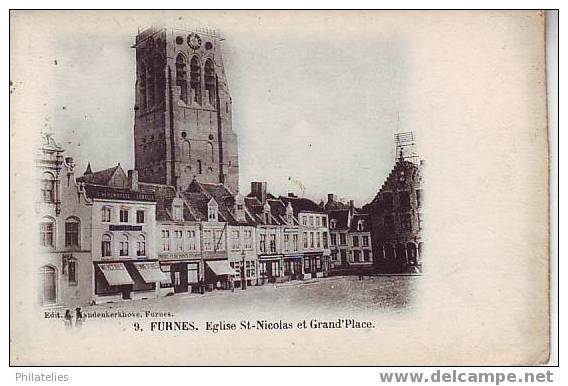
[
  {"x": 330, "y": 197},
  {"x": 258, "y": 190},
  {"x": 292, "y": 195},
  {"x": 133, "y": 179}
]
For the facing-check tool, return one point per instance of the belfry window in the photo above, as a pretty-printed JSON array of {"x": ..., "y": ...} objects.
[
  {"x": 210, "y": 81},
  {"x": 181, "y": 77},
  {"x": 195, "y": 81}
]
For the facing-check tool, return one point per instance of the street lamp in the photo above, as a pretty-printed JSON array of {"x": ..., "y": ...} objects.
[{"x": 243, "y": 272}]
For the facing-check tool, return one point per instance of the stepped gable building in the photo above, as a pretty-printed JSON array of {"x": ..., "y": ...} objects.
[
  {"x": 64, "y": 263},
  {"x": 125, "y": 265},
  {"x": 396, "y": 219},
  {"x": 183, "y": 110}
]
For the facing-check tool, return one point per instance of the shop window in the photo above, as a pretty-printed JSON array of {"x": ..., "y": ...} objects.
[
  {"x": 72, "y": 232},
  {"x": 46, "y": 231},
  {"x": 106, "y": 247}
]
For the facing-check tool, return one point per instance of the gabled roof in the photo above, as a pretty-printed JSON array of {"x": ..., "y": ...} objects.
[
  {"x": 256, "y": 209},
  {"x": 301, "y": 205},
  {"x": 102, "y": 177},
  {"x": 410, "y": 169},
  {"x": 165, "y": 195}
]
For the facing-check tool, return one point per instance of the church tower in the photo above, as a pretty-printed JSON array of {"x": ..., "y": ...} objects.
[{"x": 183, "y": 113}]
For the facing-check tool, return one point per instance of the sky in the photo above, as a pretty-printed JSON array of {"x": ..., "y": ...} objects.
[{"x": 317, "y": 97}]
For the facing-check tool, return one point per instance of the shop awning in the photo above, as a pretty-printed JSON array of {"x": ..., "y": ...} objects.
[
  {"x": 116, "y": 274},
  {"x": 150, "y": 271},
  {"x": 221, "y": 267}
]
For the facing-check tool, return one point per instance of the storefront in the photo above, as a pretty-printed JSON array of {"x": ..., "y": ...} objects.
[
  {"x": 271, "y": 269},
  {"x": 219, "y": 274},
  {"x": 127, "y": 280},
  {"x": 293, "y": 267},
  {"x": 181, "y": 276},
  {"x": 313, "y": 264}
]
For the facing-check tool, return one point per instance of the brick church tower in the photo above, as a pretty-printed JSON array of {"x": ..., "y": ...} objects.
[{"x": 183, "y": 113}]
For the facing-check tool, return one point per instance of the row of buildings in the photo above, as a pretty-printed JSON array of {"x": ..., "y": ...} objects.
[{"x": 176, "y": 223}]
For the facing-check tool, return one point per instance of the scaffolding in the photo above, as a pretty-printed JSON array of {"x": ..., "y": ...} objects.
[{"x": 405, "y": 147}]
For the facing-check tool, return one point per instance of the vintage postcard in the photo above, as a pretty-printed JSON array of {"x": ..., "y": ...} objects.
[{"x": 278, "y": 188}]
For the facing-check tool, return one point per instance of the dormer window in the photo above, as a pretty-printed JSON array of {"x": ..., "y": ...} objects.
[
  {"x": 177, "y": 209},
  {"x": 360, "y": 225},
  {"x": 212, "y": 211},
  {"x": 332, "y": 224}
]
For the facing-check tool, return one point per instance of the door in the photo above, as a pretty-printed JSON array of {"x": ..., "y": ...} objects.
[
  {"x": 179, "y": 277},
  {"x": 48, "y": 283}
]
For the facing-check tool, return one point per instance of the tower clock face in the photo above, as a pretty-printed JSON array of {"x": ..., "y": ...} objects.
[{"x": 194, "y": 41}]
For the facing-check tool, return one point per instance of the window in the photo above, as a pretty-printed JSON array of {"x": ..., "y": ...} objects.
[
  {"x": 165, "y": 240},
  {"x": 195, "y": 80},
  {"x": 332, "y": 224},
  {"x": 333, "y": 237},
  {"x": 406, "y": 222},
  {"x": 312, "y": 244},
  {"x": 248, "y": 239},
  {"x": 141, "y": 246},
  {"x": 311, "y": 221},
  {"x": 250, "y": 269},
  {"x": 324, "y": 222},
  {"x": 178, "y": 212},
  {"x": 46, "y": 230},
  {"x": 360, "y": 225},
  {"x": 106, "y": 213},
  {"x": 365, "y": 241},
  {"x": 191, "y": 241},
  {"x": 367, "y": 255},
  {"x": 210, "y": 81},
  {"x": 305, "y": 239},
  {"x": 404, "y": 199},
  {"x": 262, "y": 243},
  {"x": 357, "y": 256},
  {"x": 140, "y": 216},
  {"x": 286, "y": 242},
  {"x": 124, "y": 246},
  {"x": 235, "y": 240},
  {"x": 212, "y": 211},
  {"x": 199, "y": 168},
  {"x": 325, "y": 242},
  {"x": 72, "y": 232},
  {"x": 219, "y": 241},
  {"x": 48, "y": 187},
  {"x": 272, "y": 243},
  {"x": 420, "y": 225},
  {"x": 355, "y": 241},
  {"x": 106, "y": 248},
  {"x": 211, "y": 151},
  {"x": 181, "y": 77},
  {"x": 318, "y": 239},
  {"x": 178, "y": 240},
  {"x": 342, "y": 239},
  {"x": 72, "y": 272},
  {"x": 207, "y": 240},
  {"x": 295, "y": 241},
  {"x": 419, "y": 197},
  {"x": 318, "y": 221},
  {"x": 304, "y": 220},
  {"x": 123, "y": 214},
  {"x": 343, "y": 253}
]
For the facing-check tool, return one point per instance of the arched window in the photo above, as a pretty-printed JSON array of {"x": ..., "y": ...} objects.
[
  {"x": 210, "y": 81},
  {"x": 48, "y": 285},
  {"x": 186, "y": 150},
  {"x": 195, "y": 80},
  {"x": 360, "y": 225},
  {"x": 181, "y": 77},
  {"x": 106, "y": 246},
  {"x": 47, "y": 232},
  {"x": 48, "y": 187},
  {"x": 124, "y": 245},
  {"x": 141, "y": 246},
  {"x": 211, "y": 151},
  {"x": 142, "y": 85},
  {"x": 332, "y": 224},
  {"x": 72, "y": 225}
]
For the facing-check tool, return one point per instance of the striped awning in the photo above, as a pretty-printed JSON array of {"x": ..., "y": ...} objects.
[
  {"x": 150, "y": 271},
  {"x": 116, "y": 273}
]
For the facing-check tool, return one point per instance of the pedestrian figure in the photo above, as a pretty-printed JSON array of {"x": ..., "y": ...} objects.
[
  {"x": 68, "y": 319},
  {"x": 218, "y": 284},
  {"x": 78, "y": 317}
]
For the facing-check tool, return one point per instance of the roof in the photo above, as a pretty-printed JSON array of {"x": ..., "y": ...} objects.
[
  {"x": 113, "y": 193},
  {"x": 301, "y": 205},
  {"x": 355, "y": 222},
  {"x": 101, "y": 177},
  {"x": 411, "y": 170},
  {"x": 340, "y": 216},
  {"x": 256, "y": 209},
  {"x": 165, "y": 195}
]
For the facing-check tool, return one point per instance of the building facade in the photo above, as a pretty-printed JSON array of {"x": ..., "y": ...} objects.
[
  {"x": 397, "y": 219},
  {"x": 183, "y": 110},
  {"x": 64, "y": 211}
]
